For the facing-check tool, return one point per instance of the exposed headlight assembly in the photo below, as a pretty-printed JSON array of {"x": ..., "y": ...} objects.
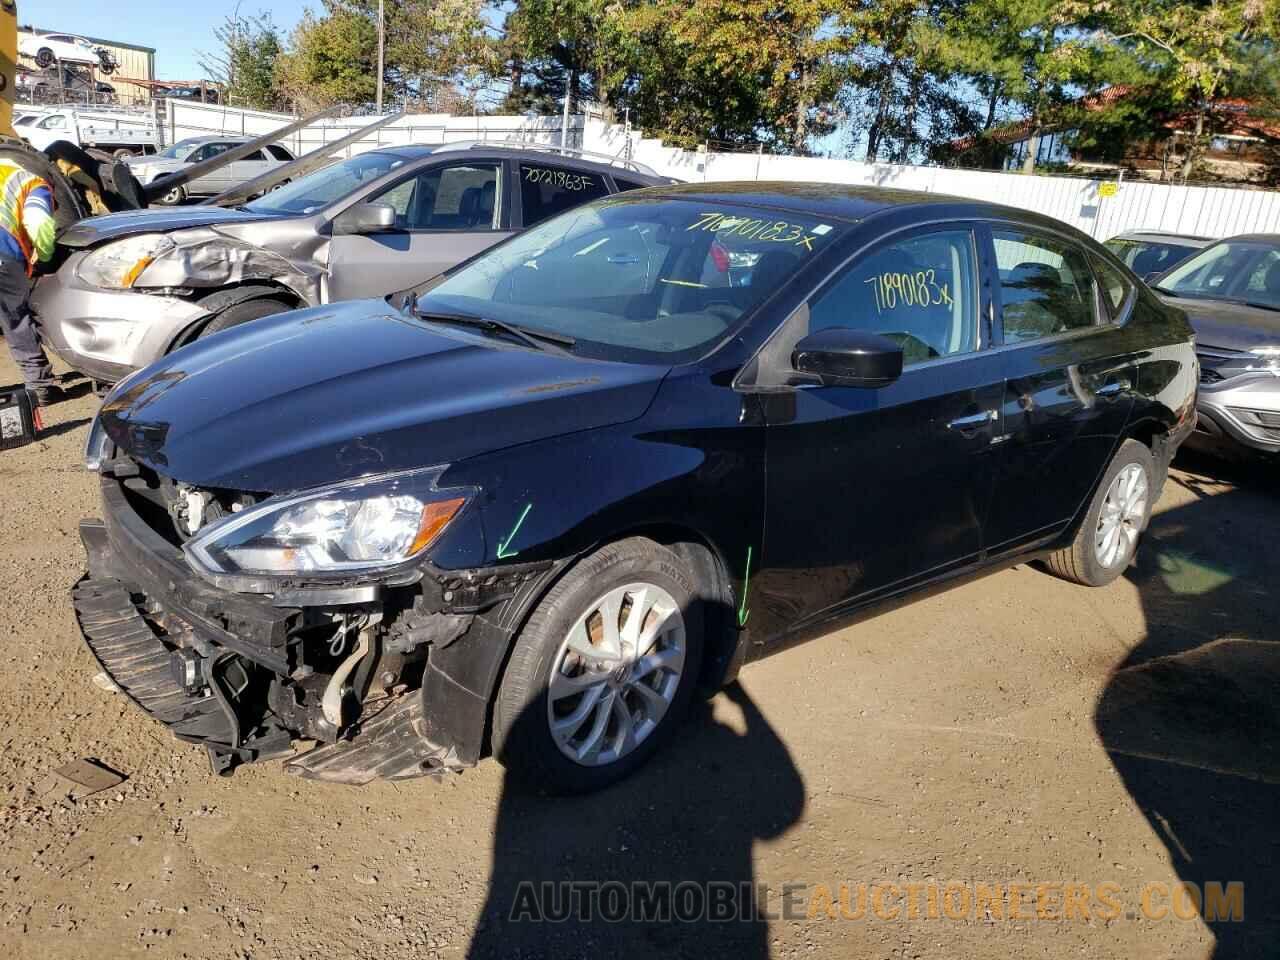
[
  {"x": 359, "y": 529},
  {"x": 118, "y": 265}
]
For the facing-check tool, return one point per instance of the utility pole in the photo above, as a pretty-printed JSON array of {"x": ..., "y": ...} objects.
[
  {"x": 564, "y": 122},
  {"x": 382, "y": 42}
]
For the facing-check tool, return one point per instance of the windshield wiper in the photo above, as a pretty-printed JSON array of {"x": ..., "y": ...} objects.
[{"x": 538, "y": 339}]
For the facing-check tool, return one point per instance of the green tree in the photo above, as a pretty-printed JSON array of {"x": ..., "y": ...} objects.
[
  {"x": 245, "y": 61},
  {"x": 1202, "y": 50},
  {"x": 332, "y": 59},
  {"x": 1042, "y": 57}
]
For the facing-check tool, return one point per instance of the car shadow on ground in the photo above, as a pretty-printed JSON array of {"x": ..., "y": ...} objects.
[
  {"x": 656, "y": 849},
  {"x": 1191, "y": 718}
]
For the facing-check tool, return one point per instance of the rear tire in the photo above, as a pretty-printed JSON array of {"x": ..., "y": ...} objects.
[
  {"x": 44, "y": 58},
  {"x": 1108, "y": 537},
  {"x": 174, "y": 197},
  {"x": 633, "y": 724},
  {"x": 240, "y": 313}
]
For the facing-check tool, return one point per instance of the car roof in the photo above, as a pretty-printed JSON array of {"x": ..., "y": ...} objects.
[
  {"x": 1256, "y": 237},
  {"x": 848, "y": 202},
  {"x": 532, "y": 154},
  {"x": 1175, "y": 239}
]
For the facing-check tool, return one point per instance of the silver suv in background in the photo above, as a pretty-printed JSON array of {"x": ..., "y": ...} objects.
[
  {"x": 1149, "y": 253},
  {"x": 196, "y": 149},
  {"x": 133, "y": 286}
]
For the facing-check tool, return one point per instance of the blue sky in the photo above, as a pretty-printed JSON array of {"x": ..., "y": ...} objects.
[{"x": 178, "y": 30}]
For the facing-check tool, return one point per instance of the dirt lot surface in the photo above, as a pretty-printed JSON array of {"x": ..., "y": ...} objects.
[{"x": 1017, "y": 730}]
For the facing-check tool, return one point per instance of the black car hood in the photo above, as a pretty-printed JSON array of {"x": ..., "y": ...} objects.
[
  {"x": 112, "y": 226},
  {"x": 1231, "y": 326},
  {"x": 321, "y": 395}
]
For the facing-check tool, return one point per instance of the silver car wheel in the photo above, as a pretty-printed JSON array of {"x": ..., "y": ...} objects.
[
  {"x": 615, "y": 674},
  {"x": 1120, "y": 520}
]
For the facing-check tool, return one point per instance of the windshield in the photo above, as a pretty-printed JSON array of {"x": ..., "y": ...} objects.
[
  {"x": 324, "y": 186},
  {"x": 179, "y": 150},
  {"x": 1145, "y": 257},
  {"x": 638, "y": 279},
  {"x": 1243, "y": 271}
]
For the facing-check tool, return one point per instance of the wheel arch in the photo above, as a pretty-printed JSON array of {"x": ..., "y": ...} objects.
[
  {"x": 220, "y": 300},
  {"x": 724, "y": 654}
]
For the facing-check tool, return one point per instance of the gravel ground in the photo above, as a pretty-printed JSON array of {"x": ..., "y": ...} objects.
[{"x": 1017, "y": 730}]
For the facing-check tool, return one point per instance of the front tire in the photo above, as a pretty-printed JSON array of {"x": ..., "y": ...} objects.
[
  {"x": 1108, "y": 537},
  {"x": 174, "y": 197},
  {"x": 239, "y": 313},
  {"x": 603, "y": 671}
]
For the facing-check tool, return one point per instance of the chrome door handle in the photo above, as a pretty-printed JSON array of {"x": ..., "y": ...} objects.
[
  {"x": 1113, "y": 389},
  {"x": 974, "y": 420}
]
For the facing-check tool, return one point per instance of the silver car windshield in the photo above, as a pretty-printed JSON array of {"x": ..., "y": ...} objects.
[
  {"x": 322, "y": 187},
  {"x": 180, "y": 150},
  {"x": 636, "y": 278},
  {"x": 1239, "y": 271}
]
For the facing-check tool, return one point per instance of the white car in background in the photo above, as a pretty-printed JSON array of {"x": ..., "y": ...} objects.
[
  {"x": 46, "y": 48},
  {"x": 193, "y": 150}
]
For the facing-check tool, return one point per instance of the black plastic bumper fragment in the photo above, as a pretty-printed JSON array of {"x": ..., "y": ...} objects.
[{"x": 127, "y": 648}]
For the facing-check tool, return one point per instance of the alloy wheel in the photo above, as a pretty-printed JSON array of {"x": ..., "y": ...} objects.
[
  {"x": 1121, "y": 517},
  {"x": 616, "y": 673}
]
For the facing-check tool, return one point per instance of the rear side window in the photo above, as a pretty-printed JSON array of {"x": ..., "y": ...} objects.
[
  {"x": 546, "y": 191},
  {"x": 1046, "y": 286},
  {"x": 255, "y": 157},
  {"x": 918, "y": 292},
  {"x": 624, "y": 185},
  {"x": 1115, "y": 288},
  {"x": 279, "y": 153}
]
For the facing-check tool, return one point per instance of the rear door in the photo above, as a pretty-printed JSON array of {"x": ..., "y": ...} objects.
[
  {"x": 246, "y": 168},
  {"x": 1069, "y": 378},
  {"x": 215, "y": 181},
  {"x": 445, "y": 213}
]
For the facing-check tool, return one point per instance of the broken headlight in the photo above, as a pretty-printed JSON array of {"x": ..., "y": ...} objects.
[
  {"x": 359, "y": 527},
  {"x": 118, "y": 265}
]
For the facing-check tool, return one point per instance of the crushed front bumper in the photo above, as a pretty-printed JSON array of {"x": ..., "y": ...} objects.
[
  {"x": 107, "y": 334},
  {"x": 228, "y": 670}
]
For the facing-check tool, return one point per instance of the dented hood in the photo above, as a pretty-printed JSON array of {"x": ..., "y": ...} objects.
[
  {"x": 113, "y": 226},
  {"x": 317, "y": 396}
]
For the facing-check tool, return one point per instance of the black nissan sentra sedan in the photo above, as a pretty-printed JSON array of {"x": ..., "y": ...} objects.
[{"x": 607, "y": 463}]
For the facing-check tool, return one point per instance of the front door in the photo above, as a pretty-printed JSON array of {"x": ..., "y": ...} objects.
[
  {"x": 444, "y": 214},
  {"x": 1070, "y": 379},
  {"x": 872, "y": 490}
]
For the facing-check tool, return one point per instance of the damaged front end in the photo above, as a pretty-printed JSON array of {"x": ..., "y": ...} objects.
[{"x": 389, "y": 674}]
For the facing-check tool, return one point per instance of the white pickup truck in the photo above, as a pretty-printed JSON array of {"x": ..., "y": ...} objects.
[{"x": 115, "y": 130}]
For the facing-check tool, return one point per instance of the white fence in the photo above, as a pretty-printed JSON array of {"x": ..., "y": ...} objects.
[
  {"x": 1206, "y": 211},
  {"x": 199, "y": 119}
]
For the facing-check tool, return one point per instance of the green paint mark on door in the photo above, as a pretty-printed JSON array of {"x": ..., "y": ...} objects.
[{"x": 743, "y": 612}]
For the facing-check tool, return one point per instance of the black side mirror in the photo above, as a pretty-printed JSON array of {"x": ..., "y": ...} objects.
[
  {"x": 366, "y": 218},
  {"x": 839, "y": 357}
]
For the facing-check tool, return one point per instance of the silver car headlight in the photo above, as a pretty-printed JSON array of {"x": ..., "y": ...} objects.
[
  {"x": 359, "y": 527},
  {"x": 118, "y": 265}
]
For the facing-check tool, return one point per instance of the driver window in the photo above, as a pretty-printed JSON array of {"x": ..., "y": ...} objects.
[
  {"x": 461, "y": 197},
  {"x": 919, "y": 292}
]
